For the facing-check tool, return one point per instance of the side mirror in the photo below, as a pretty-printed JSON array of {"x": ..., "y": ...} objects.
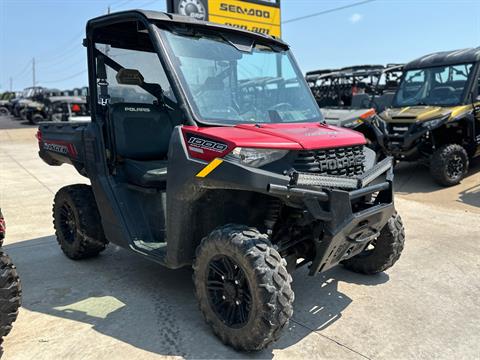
[{"x": 129, "y": 77}]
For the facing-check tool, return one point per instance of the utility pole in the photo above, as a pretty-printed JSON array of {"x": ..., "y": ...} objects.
[
  {"x": 11, "y": 84},
  {"x": 33, "y": 70}
]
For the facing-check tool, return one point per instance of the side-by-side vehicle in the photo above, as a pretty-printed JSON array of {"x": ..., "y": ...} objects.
[
  {"x": 352, "y": 96},
  {"x": 207, "y": 149},
  {"x": 435, "y": 114}
]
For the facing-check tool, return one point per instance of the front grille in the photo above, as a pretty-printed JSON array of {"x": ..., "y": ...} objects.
[
  {"x": 345, "y": 161},
  {"x": 398, "y": 129}
]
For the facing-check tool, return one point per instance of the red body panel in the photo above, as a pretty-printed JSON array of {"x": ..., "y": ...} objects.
[
  {"x": 301, "y": 136},
  {"x": 305, "y": 136}
]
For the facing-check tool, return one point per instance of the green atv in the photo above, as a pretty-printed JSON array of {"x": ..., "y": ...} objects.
[{"x": 435, "y": 114}]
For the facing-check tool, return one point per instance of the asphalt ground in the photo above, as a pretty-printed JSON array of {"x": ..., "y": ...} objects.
[{"x": 119, "y": 306}]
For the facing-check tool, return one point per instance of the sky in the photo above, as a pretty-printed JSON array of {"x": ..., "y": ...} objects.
[{"x": 377, "y": 32}]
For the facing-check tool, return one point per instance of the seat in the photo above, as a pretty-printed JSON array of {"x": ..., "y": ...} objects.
[
  {"x": 360, "y": 101},
  {"x": 383, "y": 101},
  {"x": 146, "y": 173},
  {"x": 142, "y": 134},
  {"x": 442, "y": 93}
]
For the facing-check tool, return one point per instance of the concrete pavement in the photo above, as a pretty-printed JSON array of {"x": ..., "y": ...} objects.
[{"x": 122, "y": 306}]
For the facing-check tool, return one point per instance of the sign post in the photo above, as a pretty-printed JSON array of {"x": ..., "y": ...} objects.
[{"x": 262, "y": 16}]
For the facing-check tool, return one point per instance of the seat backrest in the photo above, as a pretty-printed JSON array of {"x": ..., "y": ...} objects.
[
  {"x": 442, "y": 92},
  {"x": 384, "y": 101},
  {"x": 360, "y": 101},
  {"x": 141, "y": 131}
]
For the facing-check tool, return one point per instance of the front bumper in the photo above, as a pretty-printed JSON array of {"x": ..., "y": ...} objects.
[
  {"x": 347, "y": 224},
  {"x": 400, "y": 144}
]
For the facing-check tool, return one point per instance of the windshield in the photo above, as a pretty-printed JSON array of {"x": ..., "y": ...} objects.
[
  {"x": 440, "y": 86},
  {"x": 228, "y": 86}
]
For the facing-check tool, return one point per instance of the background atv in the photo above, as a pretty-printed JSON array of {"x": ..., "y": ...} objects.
[
  {"x": 4, "y": 102},
  {"x": 435, "y": 116},
  {"x": 34, "y": 110},
  {"x": 10, "y": 289},
  {"x": 216, "y": 157},
  {"x": 20, "y": 104},
  {"x": 350, "y": 97}
]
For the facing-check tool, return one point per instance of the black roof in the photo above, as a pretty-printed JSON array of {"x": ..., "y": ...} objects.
[
  {"x": 168, "y": 18},
  {"x": 445, "y": 58},
  {"x": 348, "y": 71}
]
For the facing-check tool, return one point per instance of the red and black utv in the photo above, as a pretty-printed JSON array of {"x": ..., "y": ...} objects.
[{"x": 206, "y": 148}]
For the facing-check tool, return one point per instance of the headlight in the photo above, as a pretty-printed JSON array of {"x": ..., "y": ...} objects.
[
  {"x": 256, "y": 157},
  {"x": 432, "y": 124},
  {"x": 379, "y": 122},
  {"x": 352, "y": 123}
]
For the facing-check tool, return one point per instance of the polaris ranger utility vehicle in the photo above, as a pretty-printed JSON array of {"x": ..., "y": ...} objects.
[
  {"x": 213, "y": 153},
  {"x": 29, "y": 95},
  {"x": 10, "y": 289},
  {"x": 35, "y": 110},
  {"x": 59, "y": 108},
  {"x": 435, "y": 117},
  {"x": 4, "y": 101},
  {"x": 68, "y": 108}
]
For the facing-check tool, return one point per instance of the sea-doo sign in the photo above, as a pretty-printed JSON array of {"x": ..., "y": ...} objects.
[{"x": 262, "y": 16}]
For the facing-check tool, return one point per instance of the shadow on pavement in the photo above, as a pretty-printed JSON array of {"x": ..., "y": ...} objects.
[
  {"x": 138, "y": 302},
  {"x": 416, "y": 178},
  {"x": 471, "y": 196},
  {"x": 11, "y": 123}
]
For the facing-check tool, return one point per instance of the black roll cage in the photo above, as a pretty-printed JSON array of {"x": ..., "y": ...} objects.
[
  {"x": 469, "y": 91},
  {"x": 149, "y": 20}
]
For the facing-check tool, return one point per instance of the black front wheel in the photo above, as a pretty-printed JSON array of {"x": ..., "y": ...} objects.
[
  {"x": 383, "y": 252},
  {"x": 36, "y": 119},
  {"x": 243, "y": 287},
  {"x": 10, "y": 295},
  {"x": 449, "y": 164}
]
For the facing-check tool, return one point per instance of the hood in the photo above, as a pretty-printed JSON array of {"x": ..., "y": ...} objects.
[
  {"x": 25, "y": 101},
  {"x": 293, "y": 136},
  {"x": 339, "y": 117},
  {"x": 35, "y": 104},
  {"x": 412, "y": 114}
]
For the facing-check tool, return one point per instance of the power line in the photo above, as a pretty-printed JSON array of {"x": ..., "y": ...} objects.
[
  {"x": 59, "y": 60},
  {"x": 147, "y": 3},
  {"x": 72, "y": 41},
  {"x": 123, "y": 3},
  {"x": 62, "y": 69},
  {"x": 65, "y": 78},
  {"x": 327, "y": 11},
  {"x": 27, "y": 66}
]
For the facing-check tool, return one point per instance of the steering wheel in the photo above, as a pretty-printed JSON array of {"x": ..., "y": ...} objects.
[{"x": 282, "y": 107}]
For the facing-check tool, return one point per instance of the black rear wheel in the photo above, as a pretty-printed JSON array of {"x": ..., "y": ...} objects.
[
  {"x": 449, "y": 164},
  {"x": 36, "y": 118},
  {"x": 243, "y": 287},
  {"x": 77, "y": 222}
]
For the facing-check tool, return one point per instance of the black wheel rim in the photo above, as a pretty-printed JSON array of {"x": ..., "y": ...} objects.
[
  {"x": 228, "y": 291},
  {"x": 68, "y": 224},
  {"x": 455, "y": 167}
]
